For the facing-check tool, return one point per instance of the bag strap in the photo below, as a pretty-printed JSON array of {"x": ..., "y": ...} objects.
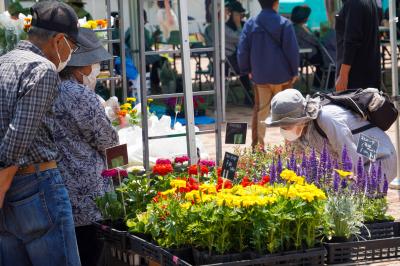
[
  {"x": 278, "y": 43},
  {"x": 354, "y": 131}
]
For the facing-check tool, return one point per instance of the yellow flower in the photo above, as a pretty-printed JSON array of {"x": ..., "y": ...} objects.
[
  {"x": 177, "y": 183},
  {"x": 186, "y": 205},
  {"x": 150, "y": 100},
  {"x": 168, "y": 192},
  {"x": 126, "y": 106},
  {"x": 91, "y": 24},
  {"x": 131, "y": 100},
  {"x": 210, "y": 188},
  {"x": 343, "y": 173}
]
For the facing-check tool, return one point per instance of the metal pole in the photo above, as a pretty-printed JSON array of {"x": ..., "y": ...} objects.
[
  {"x": 122, "y": 49},
  {"x": 187, "y": 81},
  {"x": 219, "y": 79},
  {"x": 110, "y": 48},
  {"x": 395, "y": 82},
  {"x": 143, "y": 89},
  {"x": 134, "y": 29},
  {"x": 221, "y": 23}
]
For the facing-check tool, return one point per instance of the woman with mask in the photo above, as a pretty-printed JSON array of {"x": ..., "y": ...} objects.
[
  {"x": 82, "y": 133},
  {"x": 303, "y": 121}
]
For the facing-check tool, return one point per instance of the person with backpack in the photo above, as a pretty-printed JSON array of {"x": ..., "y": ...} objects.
[
  {"x": 310, "y": 123},
  {"x": 269, "y": 53}
]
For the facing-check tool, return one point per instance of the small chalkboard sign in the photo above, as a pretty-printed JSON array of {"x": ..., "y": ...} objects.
[
  {"x": 236, "y": 133},
  {"x": 117, "y": 156},
  {"x": 229, "y": 165},
  {"x": 367, "y": 147}
]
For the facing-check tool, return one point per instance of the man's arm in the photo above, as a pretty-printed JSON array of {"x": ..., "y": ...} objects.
[
  {"x": 243, "y": 54},
  {"x": 37, "y": 93}
]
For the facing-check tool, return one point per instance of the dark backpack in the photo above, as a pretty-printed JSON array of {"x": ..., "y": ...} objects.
[{"x": 358, "y": 102}]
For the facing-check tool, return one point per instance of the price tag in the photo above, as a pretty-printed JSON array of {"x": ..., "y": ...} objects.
[
  {"x": 229, "y": 165},
  {"x": 236, "y": 133},
  {"x": 367, "y": 147},
  {"x": 117, "y": 156}
]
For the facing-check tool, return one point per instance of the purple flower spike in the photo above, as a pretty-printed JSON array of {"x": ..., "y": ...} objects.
[
  {"x": 346, "y": 161},
  {"x": 360, "y": 175},
  {"x": 272, "y": 173},
  {"x": 374, "y": 183},
  {"x": 379, "y": 176},
  {"x": 385, "y": 185},
  {"x": 324, "y": 159},
  {"x": 279, "y": 166},
  {"x": 336, "y": 178},
  {"x": 313, "y": 165},
  {"x": 293, "y": 163}
]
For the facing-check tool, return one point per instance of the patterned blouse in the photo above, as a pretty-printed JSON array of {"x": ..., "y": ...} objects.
[{"x": 82, "y": 133}]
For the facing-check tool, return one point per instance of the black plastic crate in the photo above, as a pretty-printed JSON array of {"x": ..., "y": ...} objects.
[
  {"x": 115, "y": 256},
  {"x": 369, "y": 250},
  {"x": 114, "y": 234},
  {"x": 151, "y": 251},
  {"x": 380, "y": 230},
  {"x": 308, "y": 257}
]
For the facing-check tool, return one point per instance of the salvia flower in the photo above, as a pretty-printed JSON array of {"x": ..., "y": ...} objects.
[
  {"x": 346, "y": 161},
  {"x": 272, "y": 173},
  {"x": 385, "y": 185},
  {"x": 360, "y": 175},
  {"x": 379, "y": 177},
  {"x": 279, "y": 166},
  {"x": 336, "y": 178},
  {"x": 374, "y": 184},
  {"x": 293, "y": 163},
  {"x": 313, "y": 166}
]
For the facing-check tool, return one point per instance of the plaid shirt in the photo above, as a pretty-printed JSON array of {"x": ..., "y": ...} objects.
[{"x": 28, "y": 88}]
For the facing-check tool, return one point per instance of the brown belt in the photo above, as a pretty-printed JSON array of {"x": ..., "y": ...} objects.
[{"x": 30, "y": 169}]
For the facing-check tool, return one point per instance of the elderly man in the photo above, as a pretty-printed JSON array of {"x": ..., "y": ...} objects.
[{"x": 36, "y": 225}]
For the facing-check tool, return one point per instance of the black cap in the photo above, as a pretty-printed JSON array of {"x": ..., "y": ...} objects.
[
  {"x": 235, "y": 6},
  {"x": 55, "y": 16},
  {"x": 300, "y": 14}
]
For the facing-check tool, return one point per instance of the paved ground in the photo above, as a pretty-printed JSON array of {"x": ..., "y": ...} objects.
[{"x": 243, "y": 114}]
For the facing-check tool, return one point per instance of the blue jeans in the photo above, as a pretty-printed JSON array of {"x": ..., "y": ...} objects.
[{"x": 36, "y": 224}]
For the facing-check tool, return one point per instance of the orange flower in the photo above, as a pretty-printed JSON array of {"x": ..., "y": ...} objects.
[
  {"x": 102, "y": 23},
  {"x": 122, "y": 113}
]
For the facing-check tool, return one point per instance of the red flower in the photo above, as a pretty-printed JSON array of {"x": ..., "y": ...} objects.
[
  {"x": 192, "y": 184},
  {"x": 192, "y": 170},
  {"x": 223, "y": 183},
  {"x": 264, "y": 180},
  {"x": 162, "y": 169},
  {"x": 246, "y": 182},
  {"x": 219, "y": 172}
]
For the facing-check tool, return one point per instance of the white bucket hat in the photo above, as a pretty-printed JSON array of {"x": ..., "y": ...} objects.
[{"x": 289, "y": 107}]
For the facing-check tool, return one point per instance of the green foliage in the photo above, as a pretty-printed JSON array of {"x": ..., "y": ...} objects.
[{"x": 374, "y": 210}]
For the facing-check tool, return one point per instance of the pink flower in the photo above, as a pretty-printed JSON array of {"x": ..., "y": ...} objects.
[
  {"x": 181, "y": 159},
  {"x": 110, "y": 173},
  {"x": 208, "y": 163},
  {"x": 163, "y": 161}
]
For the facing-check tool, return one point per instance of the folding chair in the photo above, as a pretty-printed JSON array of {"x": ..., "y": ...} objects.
[
  {"x": 327, "y": 70},
  {"x": 232, "y": 74}
]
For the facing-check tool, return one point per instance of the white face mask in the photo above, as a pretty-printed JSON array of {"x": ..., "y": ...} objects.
[
  {"x": 61, "y": 64},
  {"x": 91, "y": 79},
  {"x": 290, "y": 135}
]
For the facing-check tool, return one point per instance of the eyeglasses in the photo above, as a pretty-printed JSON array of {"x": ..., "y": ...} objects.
[{"x": 76, "y": 46}]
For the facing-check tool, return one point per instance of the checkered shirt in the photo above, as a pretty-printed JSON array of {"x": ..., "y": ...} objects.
[{"x": 28, "y": 87}]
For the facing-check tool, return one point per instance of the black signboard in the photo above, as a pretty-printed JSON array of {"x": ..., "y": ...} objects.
[
  {"x": 236, "y": 133},
  {"x": 367, "y": 147},
  {"x": 229, "y": 165}
]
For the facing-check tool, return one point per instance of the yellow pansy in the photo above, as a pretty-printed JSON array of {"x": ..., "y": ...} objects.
[
  {"x": 177, "y": 183},
  {"x": 343, "y": 173},
  {"x": 169, "y": 192},
  {"x": 130, "y": 99}
]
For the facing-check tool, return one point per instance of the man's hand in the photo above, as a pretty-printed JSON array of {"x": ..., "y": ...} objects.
[
  {"x": 341, "y": 83},
  {"x": 343, "y": 79},
  {"x": 6, "y": 178}
]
